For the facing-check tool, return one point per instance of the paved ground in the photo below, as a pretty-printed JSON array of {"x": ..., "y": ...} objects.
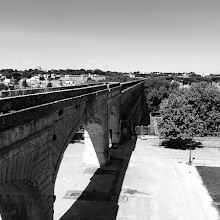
[
  {"x": 167, "y": 188},
  {"x": 150, "y": 183}
]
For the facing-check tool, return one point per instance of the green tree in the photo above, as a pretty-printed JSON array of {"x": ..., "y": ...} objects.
[
  {"x": 156, "y": 90},
  {"x": 49, "y": 84},
  {"x": 191, "y": 112},
  {"x": 24, "y": 83}
]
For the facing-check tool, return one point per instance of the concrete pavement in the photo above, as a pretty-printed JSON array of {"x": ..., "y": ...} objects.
[
  {"x": 143, "y": 181},
  {"x": 160, "y": 185}
]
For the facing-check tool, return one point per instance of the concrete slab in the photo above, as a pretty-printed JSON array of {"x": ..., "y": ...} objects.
[
  {"x": 171, "y": 188},
  {"x": 155, "y": 183}
]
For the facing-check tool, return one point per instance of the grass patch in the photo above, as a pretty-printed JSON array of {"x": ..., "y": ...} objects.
[{"x": 211, "y": 179}]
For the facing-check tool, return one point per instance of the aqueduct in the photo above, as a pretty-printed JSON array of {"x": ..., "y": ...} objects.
[{"x": 37, "y": 128}]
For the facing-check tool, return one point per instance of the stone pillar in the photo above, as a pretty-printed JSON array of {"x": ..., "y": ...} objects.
[
  {"x": 115, "y": 119},
  {"x": 97, "y": 127},
  {"x": 89, "y": 154},
  {"x": 100, "y": 141}
]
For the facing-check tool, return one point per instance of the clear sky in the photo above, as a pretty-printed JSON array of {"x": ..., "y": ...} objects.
[{"x": 117, "y": 35}]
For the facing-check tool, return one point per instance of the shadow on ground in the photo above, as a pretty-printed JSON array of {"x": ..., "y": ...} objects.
[
  {"x": 181, "y": 144},
  {"x": 99, "y": 201}
]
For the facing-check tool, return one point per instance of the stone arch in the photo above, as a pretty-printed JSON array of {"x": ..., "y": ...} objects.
[
  {"x": 26, "y": 183},
  {"x": 65, "y": 128},
  {"x": 20, "y": 200}
]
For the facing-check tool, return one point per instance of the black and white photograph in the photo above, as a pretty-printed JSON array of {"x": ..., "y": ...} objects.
[{"x": 109, "y": 109}]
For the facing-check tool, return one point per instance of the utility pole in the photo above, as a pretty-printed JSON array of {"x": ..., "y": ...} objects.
[{"x": 190, "y": 155}]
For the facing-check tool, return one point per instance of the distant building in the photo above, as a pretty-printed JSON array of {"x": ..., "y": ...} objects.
[
  {"x": 7, "y": 81},
  {"x": 217, "y": 84},
  {"x": 98, "y": 77},
  {"x": 79, "y": 79},
  {"x": 131, "y": 75},
  {"x": 46, "y": 76},
  {"x": 65, "y": 82}
]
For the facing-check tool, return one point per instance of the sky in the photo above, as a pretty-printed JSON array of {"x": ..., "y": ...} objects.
[{"x": 114, "y": 35}]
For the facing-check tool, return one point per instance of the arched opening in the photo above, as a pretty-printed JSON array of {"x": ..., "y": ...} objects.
[{"x": 74, "y": 173}]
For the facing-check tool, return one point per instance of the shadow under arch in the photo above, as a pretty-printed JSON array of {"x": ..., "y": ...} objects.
[{"x": 99, "y": 200}]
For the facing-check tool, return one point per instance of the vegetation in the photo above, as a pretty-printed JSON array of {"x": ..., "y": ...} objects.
[
  {"x": 211, "y": 179},
  {"x": 186, "y": 78},
  {"x": 156, "y": 90},
  {"x": 187, "y": 113}
]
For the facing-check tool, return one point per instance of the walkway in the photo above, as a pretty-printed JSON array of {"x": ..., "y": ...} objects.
[
  {"x": 153, "y": 184},
  {"x": 159, "y": 185}
]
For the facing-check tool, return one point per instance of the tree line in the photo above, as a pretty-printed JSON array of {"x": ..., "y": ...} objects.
[
  {"x": 184, "y": 112},
  {"x": 176, "y": 76}
]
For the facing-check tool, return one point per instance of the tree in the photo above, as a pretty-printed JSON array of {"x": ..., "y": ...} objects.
[
  {"x": 24, "y": 83},
  {"x": 41, "y": 78},
  {"x": 191, "y": 112},
  {"x": 49, "y": 84},
  {"x": 3, "y": 86},
  {"x": 156, "y": 90},
  {"x": 98, "y": 72}
]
